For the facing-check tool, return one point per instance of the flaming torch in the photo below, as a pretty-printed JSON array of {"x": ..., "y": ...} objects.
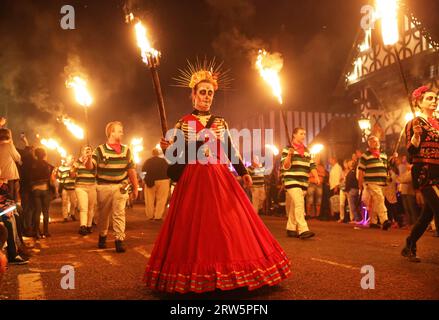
[
  {"x": 76, "y": 130},
  {"x": 82, "y": 96},
  {"x": 151, "y": 57},
  {"x": 269, "y": 66},
  {"x": 52, "y": 144},
  {"x": 316, "y": 149},
  {"x": 137, "y": 147},
  {"x": 387, "y": 10}
]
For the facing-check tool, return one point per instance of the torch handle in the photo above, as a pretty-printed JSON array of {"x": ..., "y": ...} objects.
[
  {"x": 287, "y": 132},
  {"x": 160, "y": 102},
  {"x": 412, "y": 108},
  {"x": 86, "y": 126},
  {"x": 404, "y": 80}
]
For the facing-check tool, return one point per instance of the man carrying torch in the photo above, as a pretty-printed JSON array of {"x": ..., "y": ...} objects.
[{"x": 114, "y": 168}]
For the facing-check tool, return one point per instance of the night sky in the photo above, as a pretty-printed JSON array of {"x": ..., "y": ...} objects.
[{"x": 314, "y": 38}]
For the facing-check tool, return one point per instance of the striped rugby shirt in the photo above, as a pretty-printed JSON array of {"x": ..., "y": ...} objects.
[
  {"x": 63, "y": 175},
  {"x": 257, "y": 175},
  {"x": 298, "y": 174},
  {"x": 84, "y": 176},
  {"x": 111, "y": 167},
  {"x": 375, "y": 169}
]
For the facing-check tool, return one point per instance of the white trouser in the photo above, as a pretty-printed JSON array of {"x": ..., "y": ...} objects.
[
  {"x": 296, "y": 211},
  {"x": 258, "y": 197},
  {"x": 111, "y": 203},
  {"x": 156, "y": 198},
  {"x": 69, "y": 203},
  {"x": 343, "y": 198},
  {"x": 86, "y": 195},
  {"x": 378, "y": 206}
]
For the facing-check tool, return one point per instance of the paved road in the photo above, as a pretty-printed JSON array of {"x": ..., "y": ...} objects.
[{"x": 326, "y": 267}]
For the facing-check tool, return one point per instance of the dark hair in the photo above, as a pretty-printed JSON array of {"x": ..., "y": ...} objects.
[
  {"x": 296, "y": 130},
  {"x": 40, "y": 153},
  {"x": 5, "y": 134}
]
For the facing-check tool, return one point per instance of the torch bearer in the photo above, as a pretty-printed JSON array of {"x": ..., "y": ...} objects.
[
  {"x": 151, "y": 57},
  {"x": 269, "y": 66}
]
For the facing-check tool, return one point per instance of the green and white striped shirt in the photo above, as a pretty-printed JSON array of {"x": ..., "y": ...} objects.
[
  {"x": 84, "y": 176},
  {"x": 112, "y": 168},
  {"x": 257, "y": 175},
  {"x": 63, "y": 175},
  {"x": 298, "y": 174},
  {"x": 375, "y": 169}
]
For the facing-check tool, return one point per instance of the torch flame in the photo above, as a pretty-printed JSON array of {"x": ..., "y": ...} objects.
[
  {"x": 143, "y": 43},
  {"x": 137, "y": 147},
  {"x": 76, "y": 130},
  {"x": 52, "y": 144},
  {"x": 129, "y": 17},
  {"x": 269, "y": 66},
  {"x": 387, "y": 10},
  {"x": 316, "y": 149},
  {"x": 82, "y": 95},
  {"x": 273, "y": 149}
]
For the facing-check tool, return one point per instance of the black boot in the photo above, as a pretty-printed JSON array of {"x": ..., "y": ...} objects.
[
  {"x": 102, "y": 242},
  {"x": 409, "y": 251},
  {"x": 119, "y": 246},
  {"x": 82, "y": 230}
]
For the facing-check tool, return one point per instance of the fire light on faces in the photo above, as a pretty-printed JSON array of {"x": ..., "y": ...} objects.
[{"x": 269, "y": 66}]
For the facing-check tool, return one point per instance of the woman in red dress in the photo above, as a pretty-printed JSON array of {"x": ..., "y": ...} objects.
[{"x": 212, "y": 238}]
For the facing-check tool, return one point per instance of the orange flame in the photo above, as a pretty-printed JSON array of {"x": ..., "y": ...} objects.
[
  {"x": 269, "y": 66},
  {"x": 82, "y": 95},
  {"x": 76, "y": 130},
  {"x": 387, "y": 10},
  {"x": 52, "y": 144},
  {"x": 143, "y": 43},
  {"x": 137, "y": 147}
]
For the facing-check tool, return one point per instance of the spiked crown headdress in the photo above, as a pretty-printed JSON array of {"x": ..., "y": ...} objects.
[{"x": 204, "y": 71}]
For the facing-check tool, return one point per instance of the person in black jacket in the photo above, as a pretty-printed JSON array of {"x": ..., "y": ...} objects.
[
  {"x": 42, "y": 176},
  {"x": 422, "y": 135},
  {"x": 351, "y": 189},
  {"x": 156, "y": 186}
]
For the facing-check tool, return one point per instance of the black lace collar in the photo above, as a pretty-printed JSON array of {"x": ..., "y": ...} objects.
[{"x": 200, "y": 113}]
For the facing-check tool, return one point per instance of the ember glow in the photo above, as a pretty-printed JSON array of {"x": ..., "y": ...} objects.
[
  {"x": 136, "y": 148},
  {"x": 269, "y": 66},
  {"x": 143, "y": 43},
  {"x": 79, "y": 86},
  {"x": 76, "y": 130},
  {"x": 316, "y": 149},
  {"x": 273, "y": 148},
  {"x": 52, "y": 144},
  {"x": 387, "y": 10},
  {"x": 409, "y": 116}
]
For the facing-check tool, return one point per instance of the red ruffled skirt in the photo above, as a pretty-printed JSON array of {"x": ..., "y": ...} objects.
[{"x": 213, "y": 239}]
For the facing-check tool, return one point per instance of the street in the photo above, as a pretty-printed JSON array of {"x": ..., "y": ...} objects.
[{"x": 325, "y": 267}]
